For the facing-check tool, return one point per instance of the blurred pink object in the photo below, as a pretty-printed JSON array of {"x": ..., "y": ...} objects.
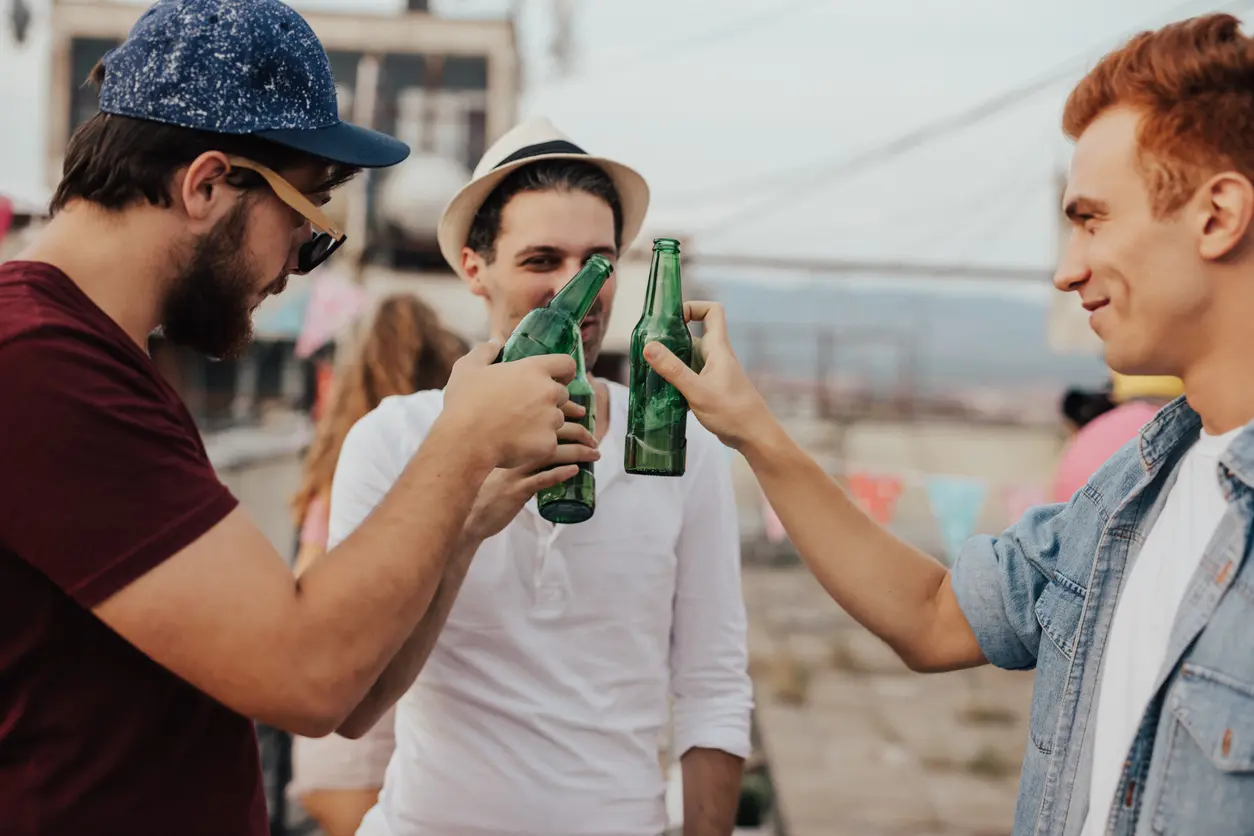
[
  {"x": 1095, "y": 443},
  {"x": 334, "y": 302},
  {"x": 6, "y": 216},
  {"x": 774, "y": 529}
]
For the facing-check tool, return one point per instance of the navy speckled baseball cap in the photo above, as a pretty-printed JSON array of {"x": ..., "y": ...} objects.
[{"x": 238, "y": 67}]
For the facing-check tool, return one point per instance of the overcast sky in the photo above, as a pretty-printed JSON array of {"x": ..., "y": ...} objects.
[{"x": 705, "y": 96}]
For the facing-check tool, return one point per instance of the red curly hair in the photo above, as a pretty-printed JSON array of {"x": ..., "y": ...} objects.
[{"x": 1193, "y": 83}]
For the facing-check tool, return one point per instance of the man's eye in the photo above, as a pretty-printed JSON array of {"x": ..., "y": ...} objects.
[{"x": 540, "y": 263}]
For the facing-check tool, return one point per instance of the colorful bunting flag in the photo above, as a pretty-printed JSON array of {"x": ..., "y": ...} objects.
[
  {"x": 876, "y": 494},
  {"x": 956, "y": 502},
  {"x": 333, "y": 302},
  {"x": 6, "y": 216}
]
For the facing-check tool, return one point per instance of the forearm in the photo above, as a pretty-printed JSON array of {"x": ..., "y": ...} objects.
[
  {"x": 404, "y": 668},
  {"x": 891, "y": 588},
  {"x": 711, "y": 791},
  {"x": 361, "y": 601}
]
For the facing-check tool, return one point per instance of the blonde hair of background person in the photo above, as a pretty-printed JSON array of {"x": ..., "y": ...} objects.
[{"x": 404, "y": 348}]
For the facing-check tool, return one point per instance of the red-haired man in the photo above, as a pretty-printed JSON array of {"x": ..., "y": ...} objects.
[{"x": 1134, "y": 602}]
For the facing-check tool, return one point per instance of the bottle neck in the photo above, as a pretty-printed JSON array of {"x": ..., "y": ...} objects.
[
  {"x": 665, "y": 294},
  {"x": 581, "y": 372},
  {"x": 576, "y": 298}
]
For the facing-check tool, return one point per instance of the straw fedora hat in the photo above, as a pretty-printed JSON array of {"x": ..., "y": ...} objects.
[{"x": 527, "y": 142}]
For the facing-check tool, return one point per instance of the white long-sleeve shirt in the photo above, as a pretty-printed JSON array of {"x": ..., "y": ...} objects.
[{"x": 543, "y": 703}]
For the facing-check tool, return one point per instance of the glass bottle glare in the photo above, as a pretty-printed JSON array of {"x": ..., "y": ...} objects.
[
  {"x": 657, "y": 414},
  {"x": 554, "y": 329},
  {"x": 574, "y": 500}
]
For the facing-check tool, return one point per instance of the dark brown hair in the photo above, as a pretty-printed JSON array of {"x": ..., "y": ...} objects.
[
  {"x": 543, "y": 176},
  {"x": 117, "y": 161},
  {"x": 1193, "y": 84}
]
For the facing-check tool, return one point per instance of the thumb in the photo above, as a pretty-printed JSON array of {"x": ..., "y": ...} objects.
[
  {"x": 670, "y": 367},
  {"x": 485, "y": 353}
]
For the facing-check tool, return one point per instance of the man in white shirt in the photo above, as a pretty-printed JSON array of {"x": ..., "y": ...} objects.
[{"x": 542, "y": 704}]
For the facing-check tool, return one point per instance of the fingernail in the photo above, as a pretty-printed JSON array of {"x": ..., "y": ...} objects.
[{"x": 651, "y": 351}]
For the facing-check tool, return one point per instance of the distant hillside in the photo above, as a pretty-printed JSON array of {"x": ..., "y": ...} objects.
[{"x": 973, "y": 337}]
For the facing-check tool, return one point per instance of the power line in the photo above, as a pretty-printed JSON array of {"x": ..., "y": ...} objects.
[{"x": 786, "y": 186}]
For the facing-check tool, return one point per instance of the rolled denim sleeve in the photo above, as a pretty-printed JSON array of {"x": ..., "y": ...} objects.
[{"x": 997, "y": 581}]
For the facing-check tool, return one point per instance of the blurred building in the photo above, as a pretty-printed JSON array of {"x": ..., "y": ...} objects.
[{"x": 448, "y": 87}]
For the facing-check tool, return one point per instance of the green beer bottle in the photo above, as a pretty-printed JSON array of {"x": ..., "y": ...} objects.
[
  {"x": 657, "y": 415},
  {"x": 554, "y": 329},
  {"x": 574, "y": 500}
]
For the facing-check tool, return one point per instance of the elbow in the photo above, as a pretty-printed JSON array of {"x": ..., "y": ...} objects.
[
  {"x": 920, "y": 662},
  {"x": 309, "y": 726},
  {"x": 925, "y": 658},
  {"x": 313, "y": 717},
  {"x": 317, "y": 709},
  {"x": 355, "y": 727}
]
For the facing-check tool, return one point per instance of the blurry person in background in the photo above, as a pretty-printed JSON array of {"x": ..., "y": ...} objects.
[
  {"x": 1080, "y": 406},
  {"x": 403, "y": 348},
  {"x": 1137, "y": 399}
]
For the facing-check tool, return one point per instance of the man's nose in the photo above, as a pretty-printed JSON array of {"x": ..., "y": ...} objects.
[{"x": 1073, "y": 268}]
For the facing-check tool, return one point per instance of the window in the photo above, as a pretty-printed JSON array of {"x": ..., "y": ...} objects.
[{"x": 84, "y": 53}]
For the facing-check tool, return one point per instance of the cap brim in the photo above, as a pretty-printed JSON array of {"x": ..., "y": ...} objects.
[{"x": 344, "y": 143}]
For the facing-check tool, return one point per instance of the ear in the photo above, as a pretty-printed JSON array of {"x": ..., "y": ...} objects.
[
  {"x": 473, "y": 266},
  {"x": 1227, "y": 209},
  {"x": 201, "y": 187}
]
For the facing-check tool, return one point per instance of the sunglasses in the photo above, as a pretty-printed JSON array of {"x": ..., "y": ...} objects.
[{"x": 326, "y": 238}]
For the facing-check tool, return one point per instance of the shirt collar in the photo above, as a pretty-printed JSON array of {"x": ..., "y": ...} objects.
[{"x": 1176, "y": 425}]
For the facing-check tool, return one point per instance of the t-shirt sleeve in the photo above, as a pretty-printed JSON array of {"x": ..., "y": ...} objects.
[{"x": 103, "y": 477}]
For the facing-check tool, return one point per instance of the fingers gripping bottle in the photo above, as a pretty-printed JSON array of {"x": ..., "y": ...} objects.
[{"x": 554, "y": 329}]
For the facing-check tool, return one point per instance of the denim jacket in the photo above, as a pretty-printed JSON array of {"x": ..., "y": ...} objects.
[{"x": 1042, "y": 595}]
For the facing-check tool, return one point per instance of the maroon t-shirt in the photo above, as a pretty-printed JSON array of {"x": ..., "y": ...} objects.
[{"x": 103, "y": 476}]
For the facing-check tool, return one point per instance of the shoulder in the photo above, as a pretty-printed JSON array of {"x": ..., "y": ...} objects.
[
  {"x": 59, "y": 377},
  {"x": 37, "y": 297},
  {"x": 396, "y": 427},
  {"x": 52, "y": 334}
]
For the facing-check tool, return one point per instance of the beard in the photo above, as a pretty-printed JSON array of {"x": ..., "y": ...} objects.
[{"x": 209, "y": 306}]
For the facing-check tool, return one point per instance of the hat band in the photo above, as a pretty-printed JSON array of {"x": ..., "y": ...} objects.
[{"x": 554, "y": 146}]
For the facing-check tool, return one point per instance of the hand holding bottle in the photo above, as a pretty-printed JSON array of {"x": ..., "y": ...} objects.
[
  {"x": 506, "y": 490},
  {"x": 517, "y": 409},
  {"x": 721, "y": 395}
]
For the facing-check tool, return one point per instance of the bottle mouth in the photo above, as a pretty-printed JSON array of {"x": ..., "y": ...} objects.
[
  {"x": 600, "y": 261},
  {"x": 665, "y": 244}
]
